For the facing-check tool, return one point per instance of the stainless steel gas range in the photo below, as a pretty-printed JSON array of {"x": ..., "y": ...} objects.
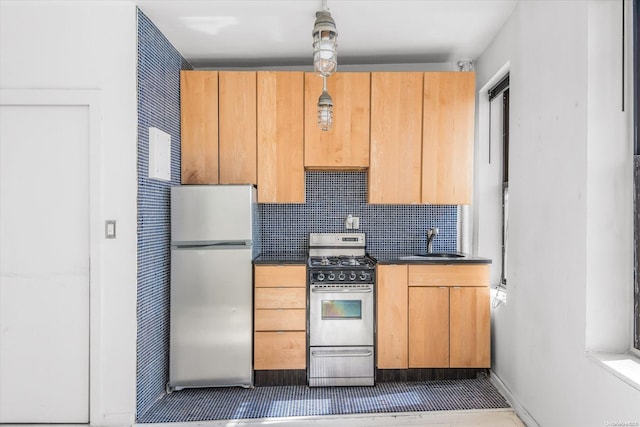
[{"x": 341, "y": 309}]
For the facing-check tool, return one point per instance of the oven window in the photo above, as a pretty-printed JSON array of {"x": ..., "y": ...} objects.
[{"x": 341, "y": 309}]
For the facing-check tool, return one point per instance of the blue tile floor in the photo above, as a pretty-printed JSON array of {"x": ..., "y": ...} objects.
[{"x": 290, "y": 401}]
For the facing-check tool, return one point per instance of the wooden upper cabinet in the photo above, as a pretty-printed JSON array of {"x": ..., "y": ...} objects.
[
  {"x": 280, "y": 137},
  {"x": 396, "y": 137},
  {"x": 448, "y": 126},
  {"x": 346, "y": 145},
  {"x": 237, "y": 105},
  {"x": 199, "y": 126}
]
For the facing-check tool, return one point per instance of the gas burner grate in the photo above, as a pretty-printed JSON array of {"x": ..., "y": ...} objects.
[{"x": 342, "y": 261}]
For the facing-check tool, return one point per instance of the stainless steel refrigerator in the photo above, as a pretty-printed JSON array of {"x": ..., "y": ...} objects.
[{"x": 213, "y": 243}]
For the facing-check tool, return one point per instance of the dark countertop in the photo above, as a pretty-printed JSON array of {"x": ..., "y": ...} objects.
[
  {"x": 281, "y": 259},
  {"x": 397, "y": 258},
  {"x": 386, "y": 258}
]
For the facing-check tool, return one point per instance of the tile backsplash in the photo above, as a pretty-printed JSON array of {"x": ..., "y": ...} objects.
[
  {"x": 331, "y": 196},
  {"x": 159, "y": 65}
]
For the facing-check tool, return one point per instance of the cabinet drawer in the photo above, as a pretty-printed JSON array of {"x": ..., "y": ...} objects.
[
  {"x": 280, "y": 350},
  {"x": 449, "y": 275},
  {"x": 280, "y": 320},
  {"x": 292, "y": 276},
  {"x": 280, "y": 298}
]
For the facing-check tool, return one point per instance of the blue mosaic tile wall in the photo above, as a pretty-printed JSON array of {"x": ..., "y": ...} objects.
[
  {"x": 331, "y": 196},
  {"x": 159, "y": 65}
]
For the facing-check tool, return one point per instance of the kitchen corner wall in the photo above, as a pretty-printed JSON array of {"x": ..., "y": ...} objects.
[
  {"x": 331, "y": 196},
  {"x": 159, "y": 65}
]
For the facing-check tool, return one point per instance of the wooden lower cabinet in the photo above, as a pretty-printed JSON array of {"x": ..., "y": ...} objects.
[
  {"x": 429, "y": 327},
  {"x": 280, "y": 350},
  {"x": 280, "y": 276},
  {"x": 449, "y": 316},
  {"x": 470, "y": 332},
  {"x": 280, "y": 300},
  {"x": 280, "y": 320},
  {"x": 433, "y": 316},
  {"x": 392, "y": 333}
]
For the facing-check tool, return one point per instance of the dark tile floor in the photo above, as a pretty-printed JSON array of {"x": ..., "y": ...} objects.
[{"x": 286, "y": 401}]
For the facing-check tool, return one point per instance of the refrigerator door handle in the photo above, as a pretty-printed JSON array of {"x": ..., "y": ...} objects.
[{"x": 212, "y": 245}]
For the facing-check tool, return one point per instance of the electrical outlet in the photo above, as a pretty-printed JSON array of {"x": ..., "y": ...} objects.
[
  {"x": 348, "y": 223},
  {"x": 356, "y": 222}
]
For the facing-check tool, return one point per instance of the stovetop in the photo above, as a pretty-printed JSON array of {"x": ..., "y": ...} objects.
[{"x": 339, "y": 258}]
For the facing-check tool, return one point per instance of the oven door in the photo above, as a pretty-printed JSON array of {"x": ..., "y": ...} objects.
[{"x": 341, "y": 315}]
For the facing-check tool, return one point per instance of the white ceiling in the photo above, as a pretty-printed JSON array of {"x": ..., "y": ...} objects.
[{"x": 235, "y": 33}]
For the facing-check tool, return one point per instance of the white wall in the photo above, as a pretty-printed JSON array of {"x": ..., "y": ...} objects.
[
  {"x": 92, "y": 45},
  {"x": 570, "y": 265}
]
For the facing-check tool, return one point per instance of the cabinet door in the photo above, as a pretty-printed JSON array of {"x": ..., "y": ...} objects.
[
  {"x": 280, "y": 137},
  {"x": 237, "y": 104},
  {"x": 280, "y": 350},
  {"x": 199, "y": 126},
  {"x": 470, "y": 327},
  {"x": 346, "y": 145},
  {"x": 392, "y": 333},
  {"x": 396, "y": 138},
  {"x": 428, "y": 327},
  {"x": 448, "y": 126}
]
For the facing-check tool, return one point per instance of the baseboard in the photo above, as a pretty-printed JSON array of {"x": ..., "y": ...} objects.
[
  {"x": 520, "y": 410},
  {"x": 428, "y": 374},
  {"x": 280, "y": 377}
]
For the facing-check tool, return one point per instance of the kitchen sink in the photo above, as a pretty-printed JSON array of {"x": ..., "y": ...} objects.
[{"x": 432, "y": 255}]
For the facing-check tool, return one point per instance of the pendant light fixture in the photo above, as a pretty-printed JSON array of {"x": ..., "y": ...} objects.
[
  {"x": 325, "y": 42},
  {"x": 325, "y": 61},
  {"x": 325, "y": 108}
]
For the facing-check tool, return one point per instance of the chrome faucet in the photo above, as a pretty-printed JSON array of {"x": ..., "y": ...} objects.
[{"x": 431, "y": 234}]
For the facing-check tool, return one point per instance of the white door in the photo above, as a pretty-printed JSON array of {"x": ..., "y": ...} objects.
[{"x": 44, "y": 264}]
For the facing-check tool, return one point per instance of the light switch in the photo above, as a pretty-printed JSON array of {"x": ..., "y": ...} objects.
[
  {"x": 110, "y": 229},
  {"x": 159, "y": 154}
]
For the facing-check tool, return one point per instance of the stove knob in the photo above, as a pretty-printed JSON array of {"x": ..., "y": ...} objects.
[
  {"x": 352, "y": 276},
  {"x": 341, "y": 276},
  {"x": 332, "y": 276},
  {"x": 320, "y": 277},
  {"x": 364, "y": 276}
]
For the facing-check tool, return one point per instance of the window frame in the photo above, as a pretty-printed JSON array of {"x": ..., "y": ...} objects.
[
  {"x": 636, "y": 160},
  {"x": 501, "y": 88}
]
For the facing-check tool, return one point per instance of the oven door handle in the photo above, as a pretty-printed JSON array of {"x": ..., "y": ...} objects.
[
  {"x": 342, "y": 291},
  {"x": 342, "y": 353}
]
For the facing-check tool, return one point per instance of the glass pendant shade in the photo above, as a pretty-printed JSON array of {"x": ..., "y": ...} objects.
[
  {"x": 325, "y": 44},
  {"x": 325, "y": 111}
]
